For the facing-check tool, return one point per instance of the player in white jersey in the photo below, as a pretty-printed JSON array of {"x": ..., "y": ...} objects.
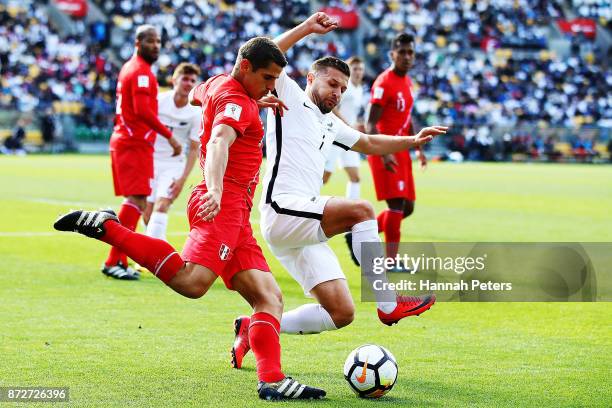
[
  {"x": 170, "y": 172},
  {"x": 350, "y": 108},
  {"x": 296, "y": 221}
]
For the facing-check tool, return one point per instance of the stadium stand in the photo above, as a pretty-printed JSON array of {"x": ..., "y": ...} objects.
[{"x": 494, "y": 65}]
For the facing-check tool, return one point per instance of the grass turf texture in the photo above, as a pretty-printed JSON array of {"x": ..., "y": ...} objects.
[{"x": 115, "y": 343}]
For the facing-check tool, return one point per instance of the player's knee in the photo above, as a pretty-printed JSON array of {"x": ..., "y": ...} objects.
[
  {"x": 276, "y": 301},
  {"x": 363, "y": 211},
  {"x": 408, "y": 209},
  {"x": 162, "y": 206},
  {"x": 271, "y": 302},
  {"x": 354, "y": 178},
  {"x": 343, "y": 316},
  {"x": 195, "y": 291},
  {"x": 139, "y": 201}
]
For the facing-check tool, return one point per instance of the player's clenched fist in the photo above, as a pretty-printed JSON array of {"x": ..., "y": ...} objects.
[
  {"x": 210, "y": 205},
  {"x": 321, "y": 23}
]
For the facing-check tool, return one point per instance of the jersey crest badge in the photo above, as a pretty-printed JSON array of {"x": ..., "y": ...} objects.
[
  {"x": 378, "y": 92},
  {"x": 224, "y": 251},
  {"x": 143, "y": 81},
  {"x": 233, "y": 111}
]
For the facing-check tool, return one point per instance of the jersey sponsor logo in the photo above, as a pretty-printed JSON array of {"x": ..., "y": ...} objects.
[
  {"x": 378, "y": 92},
  {"x": 143, "y": 81},
  {"x": 233, "y": 111},
  {"x": 224, "y": 251},
  {"x": 400, "y": 185}
]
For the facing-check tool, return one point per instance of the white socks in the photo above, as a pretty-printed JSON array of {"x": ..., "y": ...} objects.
[
  {"x": 158, "y": 223},
  {"x": 353, "y": 190},
  {"x": 307, "y": 319},
  {"x": 367, "y": 231}
]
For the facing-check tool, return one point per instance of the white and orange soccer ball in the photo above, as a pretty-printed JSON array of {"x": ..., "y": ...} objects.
[{"x": 371, "y": 371}]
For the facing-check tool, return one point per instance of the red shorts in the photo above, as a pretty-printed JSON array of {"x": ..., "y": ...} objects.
[
  {"x": 226, "y": 245},
  {"x": 393, "y": 185},
  {"x": 132, "y": 169}
]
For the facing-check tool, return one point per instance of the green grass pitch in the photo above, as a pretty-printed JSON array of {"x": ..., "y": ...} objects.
[{"x": 128, "y": 344}]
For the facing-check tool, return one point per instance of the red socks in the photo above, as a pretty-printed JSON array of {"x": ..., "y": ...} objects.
[
  {"x": 265, "y": 343},
  {"x": 129, "y": 214},
  {"x": 156, "y": 255},
  {"x": 392, "y": 227}
]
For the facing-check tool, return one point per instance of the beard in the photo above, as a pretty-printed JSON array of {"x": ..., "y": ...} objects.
[
  {"x": 324, "y": 109},
  {"x": 149, "y": 57}
]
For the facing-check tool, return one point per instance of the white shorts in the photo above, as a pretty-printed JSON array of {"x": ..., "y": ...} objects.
[
  {"x": 291, "y": 226},
  {"x": 293, "y": 221},
  {"x": 310, "y": 265},
  {"x": 165, "y": 172},
  {"x": 348, "y": 158}
]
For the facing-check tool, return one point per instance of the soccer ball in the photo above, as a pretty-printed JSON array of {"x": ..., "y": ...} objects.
[{"x": 371, "y": 371}]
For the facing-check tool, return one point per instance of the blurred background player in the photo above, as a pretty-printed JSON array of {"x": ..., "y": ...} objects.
[
  {"x": 350, "y": 110},
  {"x": 131, "y": 144},
  {"x": 221, "y": 241},
  {"x": 183, "y": 119},
  {"x": 390, "y": 111},
  {"x": 14, "y": 143}
]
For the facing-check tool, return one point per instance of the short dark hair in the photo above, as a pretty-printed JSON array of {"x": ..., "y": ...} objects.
[
  {"x": 260, "y": 52},
  {"x": 354, "y": 60},
  {"x": 185, "y": 68},
  {"x": 331, "y": 62},
  {"x": 401, "y": 39}
]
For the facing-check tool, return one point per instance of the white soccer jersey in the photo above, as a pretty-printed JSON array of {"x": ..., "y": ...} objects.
[
  {"x": 184, "y": 123},
  {"x": 297, "y": 144},
  {"x": 352, "y": 102}
]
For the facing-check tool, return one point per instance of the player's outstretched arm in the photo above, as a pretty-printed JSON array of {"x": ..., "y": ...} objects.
[
  {"x": 385, "y": 144},
  {"x": 318, "y": 23},
  {"x": 217, "y": 152}
]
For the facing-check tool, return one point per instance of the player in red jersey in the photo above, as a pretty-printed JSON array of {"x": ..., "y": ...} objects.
[
  {"x": 390, "y": 113},
  {"x": 221, "y": 241},
  {"x": 131, "y": 144}
]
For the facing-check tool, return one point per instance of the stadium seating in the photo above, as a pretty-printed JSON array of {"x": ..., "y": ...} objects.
[{"x": 479, "y": 63}]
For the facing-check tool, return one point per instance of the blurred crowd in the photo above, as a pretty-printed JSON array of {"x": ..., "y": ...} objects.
[
  {"x": 479, "y": 63},
  {"x": 600, "y": 10},
  {"x": 38, "y": 68},
  {"x": 523, "y": 144}
]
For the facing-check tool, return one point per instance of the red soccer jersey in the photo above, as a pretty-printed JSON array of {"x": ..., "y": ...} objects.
[
  {"x": 394, "y": 94},
  {"x": 225, "y": 101},
  {"x": 135, "y": 78}
]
